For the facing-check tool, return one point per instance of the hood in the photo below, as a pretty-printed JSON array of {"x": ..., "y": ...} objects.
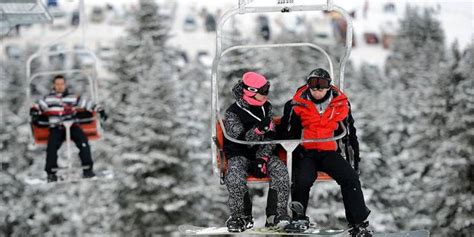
[
  {"x": 238, "y": 92},
  {"x": 300, "y": 95}
]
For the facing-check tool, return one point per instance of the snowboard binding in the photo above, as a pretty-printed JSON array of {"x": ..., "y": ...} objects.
[{"x": 300, "y": 222}]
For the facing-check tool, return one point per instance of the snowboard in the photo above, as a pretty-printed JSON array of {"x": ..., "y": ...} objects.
[{"x": 198, "y": 230}]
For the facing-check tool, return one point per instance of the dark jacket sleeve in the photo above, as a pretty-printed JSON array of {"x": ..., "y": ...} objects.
[
  {"x": 290, "y": 125},
  {"x": 353, "y": 141}
]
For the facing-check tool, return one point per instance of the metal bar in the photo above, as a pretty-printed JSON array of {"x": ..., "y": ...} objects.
[
  {"x": 67, "y": 125},
  {"x": 89, "y": 78},
  {"x": 289, "y": 147},
  {"x": 39, "y": 54},
  {"x": 328, "y": 139},
  {"x": 294, "y": 8},
  {"x": 347, "y": 53},
  {"x": 236, "y": 47},
  {"x": 214, "y": 87}
]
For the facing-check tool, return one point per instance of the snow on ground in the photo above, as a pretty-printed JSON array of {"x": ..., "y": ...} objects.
[{"x": 456, "y": 17}]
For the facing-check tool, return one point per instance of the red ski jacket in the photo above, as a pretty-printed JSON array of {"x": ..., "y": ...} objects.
[{"x": 317, "y": 126}]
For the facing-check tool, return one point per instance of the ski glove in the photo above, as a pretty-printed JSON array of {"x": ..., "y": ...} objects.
[
  {"x": 265, "y": 125},
  {"x": 103, "y": 115},
  {"x": 34, "y": 112},
  {"x": 260, "y": 167}
]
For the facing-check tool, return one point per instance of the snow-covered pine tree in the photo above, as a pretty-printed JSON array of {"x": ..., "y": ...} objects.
[
  {"x": 417, "y": 62},
  {"x": 144, "y": 107},
  {"x": 14, "y": 161},
  {"x": 38, "y": 209},
  {"x": 369, "y": 104},
  {"x": 450, "y": 171},
  {"x": 194, "y": 131}
]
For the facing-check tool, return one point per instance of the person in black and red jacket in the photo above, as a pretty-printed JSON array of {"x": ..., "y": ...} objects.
[
  {"x": 249, "y": 118},
  {"x": 315, "y": 112},
  {"x": 58, "y": 106}
]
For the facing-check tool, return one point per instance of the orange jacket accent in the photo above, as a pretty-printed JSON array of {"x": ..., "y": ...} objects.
[{"x": 317, "y": 126}]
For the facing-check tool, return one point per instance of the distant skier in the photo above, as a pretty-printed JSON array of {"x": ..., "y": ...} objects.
[
  {"x": 315, "y": 111},
  {"x": 250, "y": 119},
  {"x": 59, "y": 106}
]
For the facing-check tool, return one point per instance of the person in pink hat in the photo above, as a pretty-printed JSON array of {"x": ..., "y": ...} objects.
[{"x": 249, "y": 118}]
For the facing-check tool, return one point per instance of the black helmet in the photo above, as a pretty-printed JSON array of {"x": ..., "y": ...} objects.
[{"x": 319, "y": 73}]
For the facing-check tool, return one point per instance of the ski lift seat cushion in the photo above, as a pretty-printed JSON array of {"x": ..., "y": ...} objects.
[{"x": 280, "y": 151}]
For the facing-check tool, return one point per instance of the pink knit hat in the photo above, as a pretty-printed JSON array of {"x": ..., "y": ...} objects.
[{"x": 255, "y": 81}]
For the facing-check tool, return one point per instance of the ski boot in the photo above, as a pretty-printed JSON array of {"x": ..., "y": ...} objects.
[
  {"x": 52, "y": 177},
  {"x": 360, "y": 230},
  {"x": 239, "y": 224},
  {"x": 300, "y": 222},
  {"x": 278, "y": 221},
  {"x": 88, "y": 174},
  {"x": 248, "y": 221}
]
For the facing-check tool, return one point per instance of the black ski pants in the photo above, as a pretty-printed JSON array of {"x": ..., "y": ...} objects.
[
  {"x": 331, "y": 162},
  {"x": 57, "y": 135}
]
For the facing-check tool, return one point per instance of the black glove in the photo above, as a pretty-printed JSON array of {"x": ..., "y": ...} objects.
[
  {"x": 259, "y": 167},
  {"x": 265, "y": 125},
  {"x": 356, "y": 163},
  {"x": 34, "y": 112},
  {"x": 103, "y": 115}
]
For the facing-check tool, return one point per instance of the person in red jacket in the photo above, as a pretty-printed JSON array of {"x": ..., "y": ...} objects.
[{"x": 315, "y": 112}]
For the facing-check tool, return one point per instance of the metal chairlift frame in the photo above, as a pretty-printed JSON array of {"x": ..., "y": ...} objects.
[
  {"x": 288, "y": 145},
  {"x": 91, "y": 77},
  {"x": 17, "y": 12}
]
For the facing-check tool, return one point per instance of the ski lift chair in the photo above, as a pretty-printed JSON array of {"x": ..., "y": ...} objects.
[
  {"x": 88, "y": 121},
  {"x": 18, "y": 12},
  {"x": 218, "y": 133}
]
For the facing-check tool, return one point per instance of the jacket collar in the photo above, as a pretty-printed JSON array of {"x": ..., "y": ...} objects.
[{"x": 301, "y": 94}]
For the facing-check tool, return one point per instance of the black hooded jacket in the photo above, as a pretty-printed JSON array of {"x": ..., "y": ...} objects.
[{"x": 240, "y": 122}]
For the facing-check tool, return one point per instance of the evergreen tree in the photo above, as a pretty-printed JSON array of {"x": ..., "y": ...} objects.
[
  {"x": 194, "y": 131},
  {"x": 416, "y": 68},
  {"x": 452, "y": 158},
  {"x": 145, "y": 105}
]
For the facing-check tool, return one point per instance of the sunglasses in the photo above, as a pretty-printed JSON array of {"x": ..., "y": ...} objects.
[
  {"x": 318, "y": 83},
  {"x": 262, "y": 90}
]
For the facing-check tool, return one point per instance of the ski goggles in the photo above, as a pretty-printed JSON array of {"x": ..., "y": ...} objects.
[
  {"x": 318, "y": 83},
  {"x": 264, "y": 90}
]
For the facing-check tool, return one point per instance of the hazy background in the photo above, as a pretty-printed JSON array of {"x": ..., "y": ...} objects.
[{"x": 409, "y": 80}]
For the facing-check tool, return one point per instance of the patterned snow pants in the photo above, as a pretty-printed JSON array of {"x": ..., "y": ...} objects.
[{"x": 240, "y": 203}]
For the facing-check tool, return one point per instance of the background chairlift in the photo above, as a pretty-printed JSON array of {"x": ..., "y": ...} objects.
[
  {"x": 88, "y": 121},
  {"x": 20, "y": 12},
  {"x": 218, "y": 133}
]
